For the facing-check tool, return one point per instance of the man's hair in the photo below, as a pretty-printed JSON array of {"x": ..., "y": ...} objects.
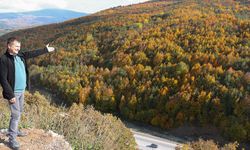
[{"x": 12, "y": 39}]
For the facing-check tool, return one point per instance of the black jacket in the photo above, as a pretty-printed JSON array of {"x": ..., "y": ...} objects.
[{"x": 7, "y": 70}]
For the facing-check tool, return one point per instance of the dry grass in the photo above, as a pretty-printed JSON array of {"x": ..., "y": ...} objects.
[{"x": 84, "y": 128}]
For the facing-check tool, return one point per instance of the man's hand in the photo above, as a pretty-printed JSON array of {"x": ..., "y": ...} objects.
[
  {"x": 13, "y": 100},
  {"x": 50, "y": 49}
]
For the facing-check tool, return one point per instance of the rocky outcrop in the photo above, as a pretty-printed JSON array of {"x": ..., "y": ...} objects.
[{"x": 36, "y": 139}]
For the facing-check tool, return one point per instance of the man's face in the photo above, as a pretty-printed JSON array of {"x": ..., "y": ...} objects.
[{"x": 14, "y": 47}]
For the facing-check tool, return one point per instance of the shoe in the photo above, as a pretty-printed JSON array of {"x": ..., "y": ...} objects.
[
  {"x": 21, "y": 134},
  {"x": 14, "y": 144}
]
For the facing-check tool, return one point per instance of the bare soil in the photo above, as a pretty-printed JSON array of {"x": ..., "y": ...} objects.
[{"x": 35, "y": 140}]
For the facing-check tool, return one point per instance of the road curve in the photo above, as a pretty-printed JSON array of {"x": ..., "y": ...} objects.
[{"x": 147, "y": 141}]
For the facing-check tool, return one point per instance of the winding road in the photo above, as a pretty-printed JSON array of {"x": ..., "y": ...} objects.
[
  {"x": 148, "y": 138},
  {"x": 146, "y": 141}
]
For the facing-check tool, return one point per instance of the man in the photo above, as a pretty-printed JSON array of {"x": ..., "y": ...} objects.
[{"x": 14, "y": 78}]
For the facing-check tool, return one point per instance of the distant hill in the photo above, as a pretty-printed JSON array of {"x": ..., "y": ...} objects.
[
  {"x": 12, "y": 21},
  {"x": 3, "y": 31}
]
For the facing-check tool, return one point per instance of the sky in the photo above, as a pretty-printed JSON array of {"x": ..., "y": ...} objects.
[{"x": 87, "y": 6}]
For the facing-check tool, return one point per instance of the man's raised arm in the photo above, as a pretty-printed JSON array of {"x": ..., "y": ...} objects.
[{"x": 38, "y": 52}]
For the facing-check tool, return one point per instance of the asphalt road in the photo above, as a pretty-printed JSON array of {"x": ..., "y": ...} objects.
[{"x": 147, "y": 141}]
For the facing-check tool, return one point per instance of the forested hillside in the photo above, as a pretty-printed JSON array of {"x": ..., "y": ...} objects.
[{"x": 165, "y": 63}]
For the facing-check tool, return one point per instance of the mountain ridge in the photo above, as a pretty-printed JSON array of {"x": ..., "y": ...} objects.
[{"x": 20, "y": 20}]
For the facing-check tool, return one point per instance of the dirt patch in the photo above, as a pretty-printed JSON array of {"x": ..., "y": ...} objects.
[{"x": 36, "y": 139}]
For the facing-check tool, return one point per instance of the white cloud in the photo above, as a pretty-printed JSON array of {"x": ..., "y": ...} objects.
[
  {"x": 91, "y": 6},
  {"x": 88, "y": 6},
  {"x": 27, "y": 5}
]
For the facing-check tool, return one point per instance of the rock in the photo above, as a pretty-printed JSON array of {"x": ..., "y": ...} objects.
[{"x": 35, "y": 140}]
